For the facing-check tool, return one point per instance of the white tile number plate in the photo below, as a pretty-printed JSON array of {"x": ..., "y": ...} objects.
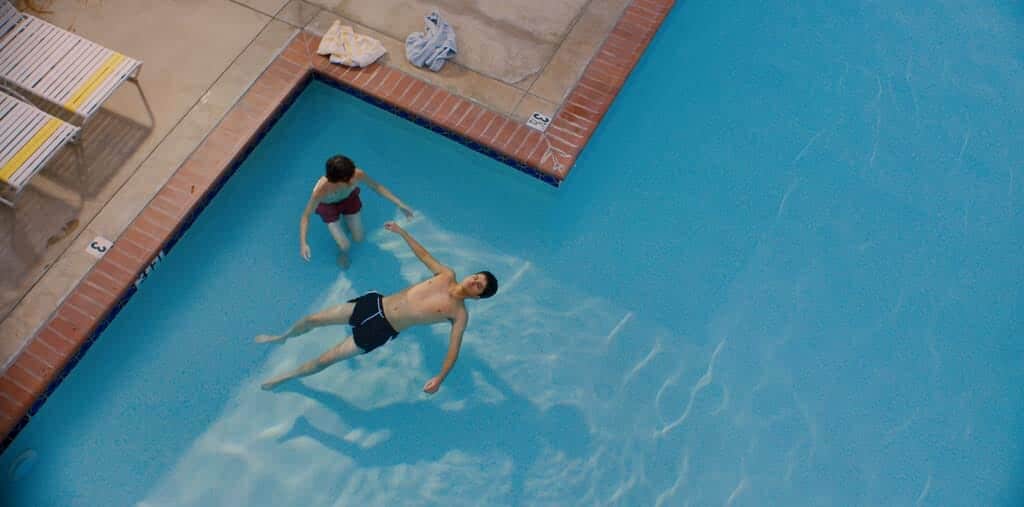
[
  {"x": 538, "y": 121},
  {"x": 98, "y": 247}
]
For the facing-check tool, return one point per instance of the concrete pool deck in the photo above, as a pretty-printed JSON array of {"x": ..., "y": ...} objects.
[{"x": 214, "y": 89}]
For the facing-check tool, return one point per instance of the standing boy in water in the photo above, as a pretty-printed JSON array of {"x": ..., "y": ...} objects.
[
  {"x": 376, "y": 319},
  {"x": 336, "y": 195}
]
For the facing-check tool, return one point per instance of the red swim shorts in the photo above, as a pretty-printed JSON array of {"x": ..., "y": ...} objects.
[{"x": 330, "y": 212}]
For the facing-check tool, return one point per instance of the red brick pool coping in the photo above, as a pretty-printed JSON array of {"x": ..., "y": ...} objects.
[{"x": 58, "y": 345}]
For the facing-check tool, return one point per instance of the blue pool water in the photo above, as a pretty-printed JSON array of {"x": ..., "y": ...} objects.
[{"x": 786, "y": 271}]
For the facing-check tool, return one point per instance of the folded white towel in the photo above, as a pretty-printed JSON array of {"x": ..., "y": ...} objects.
[{"x": 348, "y": 48}]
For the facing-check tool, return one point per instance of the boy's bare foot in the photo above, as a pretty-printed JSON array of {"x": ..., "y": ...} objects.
[
  {"x": 343, "y": 261},
  {"x": 272, "y": 383},
  {"x": 267, "y": 338}
]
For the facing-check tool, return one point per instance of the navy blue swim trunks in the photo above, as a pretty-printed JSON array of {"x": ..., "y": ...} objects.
[{"x": 370, "y": 328}]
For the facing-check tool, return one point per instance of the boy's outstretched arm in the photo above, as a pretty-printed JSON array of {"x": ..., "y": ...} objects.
[
  {"x": 454, "y": 344},
  {"x": 421, "y": 253},
  {"x": 314, "y": 199},
  {"x": 385, "y": 193}
]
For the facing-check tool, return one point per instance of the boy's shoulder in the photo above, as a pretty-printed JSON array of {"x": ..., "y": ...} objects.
[{"x": 319, "y": 187}]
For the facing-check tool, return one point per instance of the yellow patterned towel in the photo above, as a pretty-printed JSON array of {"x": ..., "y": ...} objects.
[{"x": 348, "y": 48}]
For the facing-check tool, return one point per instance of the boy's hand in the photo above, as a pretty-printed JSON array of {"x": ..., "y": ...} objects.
[
  {"x": 406, "y": 211},
  {"x": 393, "y": 227},
  {"x": 304, "y": 250},
  {"x": 432, "y": 385}
]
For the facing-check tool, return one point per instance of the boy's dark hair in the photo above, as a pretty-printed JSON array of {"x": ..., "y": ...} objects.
[
  {"x": 492, "y": 285},
  {"x": 340, "y": 168}
]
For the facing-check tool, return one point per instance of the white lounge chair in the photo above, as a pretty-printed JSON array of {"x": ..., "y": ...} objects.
[
  {"x": 28, "y": 139},
  {"x": 59, "y": 67}
]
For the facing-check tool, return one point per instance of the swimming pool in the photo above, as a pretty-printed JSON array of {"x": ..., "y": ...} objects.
[{"x": 795, "y": 281}]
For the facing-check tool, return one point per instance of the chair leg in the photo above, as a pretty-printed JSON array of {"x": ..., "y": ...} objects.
[
  {"x": 79, "y": 147},
  {"x": 8, "y": 202},
  {"x": 135, "y": 79}
]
